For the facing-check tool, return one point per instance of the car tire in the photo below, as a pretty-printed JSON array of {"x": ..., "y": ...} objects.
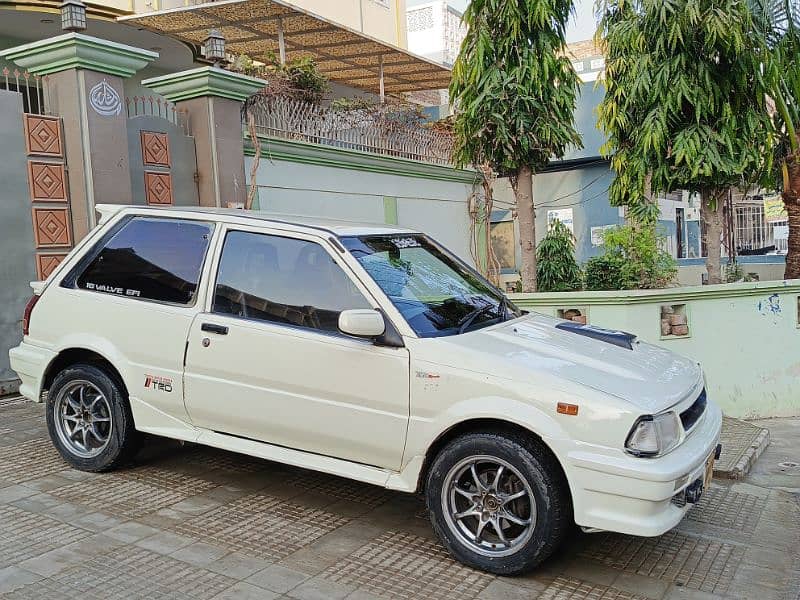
[
  {"x": 529, "y": 471},
  {"x": 89, "y": 419}
]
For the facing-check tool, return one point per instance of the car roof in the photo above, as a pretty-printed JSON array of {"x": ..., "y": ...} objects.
[{"x": 233, "y": 215}]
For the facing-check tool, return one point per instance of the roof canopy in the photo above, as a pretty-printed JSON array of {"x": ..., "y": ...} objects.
[{"x": 254, "y": 27}]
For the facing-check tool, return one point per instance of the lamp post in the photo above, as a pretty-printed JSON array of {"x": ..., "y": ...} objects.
[
  {"x": 214, "y": 46},
  {"x": 73, "y": 15}
]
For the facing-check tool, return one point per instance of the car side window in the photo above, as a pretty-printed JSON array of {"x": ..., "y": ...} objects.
[
  {"x": 151, "y": 259},
  {"x": 282, "y": 280}
]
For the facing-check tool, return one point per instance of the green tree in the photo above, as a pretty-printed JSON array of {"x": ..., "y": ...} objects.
[
  {"x": 685, "y": 104},
  {"x": 515, "y": 89},
  {"x": 779, "y": 22},
  {"x": 556, "y": 267}
]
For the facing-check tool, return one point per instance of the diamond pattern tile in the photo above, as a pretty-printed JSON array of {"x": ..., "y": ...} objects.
[
  {"x": 158, "y": 188},
  {"x": 43, "y": 135},
  {"x": 155, "y": 149},
  {"x": 563, "y": 588},
  {"x": 261, "y": 526},
  {"x": 339, "y": 488},
  {"x": 46, "y": 182},
  {"x": 722, "y": 507},
  {"x": 47, "y": 263},
  {"x": 51, "y": 227}
]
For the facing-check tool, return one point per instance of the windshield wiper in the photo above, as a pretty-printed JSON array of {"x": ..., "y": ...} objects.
[
  {"x": 502, "y": 308},
  {"x": 471, "y": 316}
]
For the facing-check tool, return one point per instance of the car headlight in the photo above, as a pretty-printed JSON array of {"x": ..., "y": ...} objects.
[{"x": 654, "y": 435}]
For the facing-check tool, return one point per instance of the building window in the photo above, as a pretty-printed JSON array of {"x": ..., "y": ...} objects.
[
  {"x": 420, "y": 19},
  {"x": 755, "y": 235}
]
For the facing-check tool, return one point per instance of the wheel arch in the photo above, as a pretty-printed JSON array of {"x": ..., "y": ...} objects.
[
  {"x": 78, "y": 355},
  {"x": 486, "y": 425}
]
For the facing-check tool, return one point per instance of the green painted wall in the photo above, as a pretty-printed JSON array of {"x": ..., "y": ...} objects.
[{"x": 746, "y": 336}]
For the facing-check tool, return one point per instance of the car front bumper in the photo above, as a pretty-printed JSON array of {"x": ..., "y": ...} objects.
[{"x": 613, "y": 491}]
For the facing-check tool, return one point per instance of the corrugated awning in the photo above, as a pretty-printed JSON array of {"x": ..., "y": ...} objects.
[{"x": 253, "y": 27}]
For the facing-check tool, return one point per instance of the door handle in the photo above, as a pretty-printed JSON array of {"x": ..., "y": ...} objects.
[{"x": 214, "y": 328}]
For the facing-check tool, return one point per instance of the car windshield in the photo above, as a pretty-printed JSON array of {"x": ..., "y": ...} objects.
[{"x": 436, "y": 293}]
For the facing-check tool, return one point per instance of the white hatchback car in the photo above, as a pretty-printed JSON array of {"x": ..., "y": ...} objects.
[{"x": 369, "y": 352}]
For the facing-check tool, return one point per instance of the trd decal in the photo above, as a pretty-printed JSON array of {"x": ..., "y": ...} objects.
[{"x": 162, "y": 384}]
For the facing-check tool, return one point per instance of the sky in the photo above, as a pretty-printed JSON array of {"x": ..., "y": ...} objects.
[{"x": 581, "y": 27}]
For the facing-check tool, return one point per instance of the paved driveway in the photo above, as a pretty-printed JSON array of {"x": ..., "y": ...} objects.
[{"x": 192, "y": 522}]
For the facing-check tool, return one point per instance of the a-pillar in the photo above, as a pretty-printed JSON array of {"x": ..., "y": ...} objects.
[
  {"x": 213, "y": 98},
  {"x": 85, "y": 88}
]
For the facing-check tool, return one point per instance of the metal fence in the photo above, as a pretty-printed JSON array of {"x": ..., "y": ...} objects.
[
  {"x": 364, "y": 130},
  {"x": 159, "y": 107},
  {"x": 31, "y": 87},
  {"x": 756, "y": 235}
]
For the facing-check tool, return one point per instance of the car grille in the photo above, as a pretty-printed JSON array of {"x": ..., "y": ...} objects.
[{"x": 691, "y": 415}]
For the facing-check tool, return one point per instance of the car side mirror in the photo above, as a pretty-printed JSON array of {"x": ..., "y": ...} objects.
[{"x": 365, "y": 323}]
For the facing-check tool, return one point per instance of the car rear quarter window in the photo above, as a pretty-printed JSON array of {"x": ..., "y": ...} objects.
[
  {"x": 150, "y": 259},
  {"x": 283, "y": 280}
]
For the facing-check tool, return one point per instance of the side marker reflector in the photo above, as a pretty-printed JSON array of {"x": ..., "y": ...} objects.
[{"x": 567, "y": 409}]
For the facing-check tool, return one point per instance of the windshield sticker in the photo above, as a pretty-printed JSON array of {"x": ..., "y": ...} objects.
[
  {"x": 110, "y": 289},
  {"x": 406, "y": 242}
]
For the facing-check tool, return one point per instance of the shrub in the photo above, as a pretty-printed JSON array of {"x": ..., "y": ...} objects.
[
  {"x": 556, "y": 267},
  {"x": 605, "y": 272},
  {"x": 632, "y": 258}
]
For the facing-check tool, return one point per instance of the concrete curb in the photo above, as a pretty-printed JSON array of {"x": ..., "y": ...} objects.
[{"x": 747, "y": 454}]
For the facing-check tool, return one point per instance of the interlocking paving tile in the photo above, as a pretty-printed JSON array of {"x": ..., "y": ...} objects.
[
  {"x": 402, "y": 565},
  {"x": 13, "y": 401},
  {"x": 29, "y": 460},
  {"x": 723, "y": 507},
  {"x": 24, "y": 535},
  {"x": 695, "y": 563},
  {"x": 261, "y": 526},
  {"x": 563, "y": 588},
  {"x": 127, "y": 573},
  {"x": 134, "y": 493},
  {"x": 339, "y": 488},
  {"x": 220, "y": 460}
]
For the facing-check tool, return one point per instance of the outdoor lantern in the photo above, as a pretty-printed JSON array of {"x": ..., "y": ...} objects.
[
  {"x": 73, "y": 15},
  {"x": 215, "y": 46}
]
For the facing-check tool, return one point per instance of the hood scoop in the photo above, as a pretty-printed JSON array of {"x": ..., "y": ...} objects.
[{"x": 617, "y": 338}]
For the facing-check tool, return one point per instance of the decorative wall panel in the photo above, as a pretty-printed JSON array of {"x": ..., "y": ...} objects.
[
  {"x": 47, "y": 181},
  {"x": 155, "y": 149},
  {"x": 46, "y": 264},
  {"x": 43, "y": 135},
  {"x": 157, "y": 188},
  {"x": 51, "y": 227}
]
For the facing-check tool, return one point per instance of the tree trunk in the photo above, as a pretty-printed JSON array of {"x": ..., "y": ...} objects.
[
  {"x": 712, "y": 217},
  {"x": 252, "y": 191},
  {"x": 791, "y": 199},
  {"x": 526, "y": 218}
]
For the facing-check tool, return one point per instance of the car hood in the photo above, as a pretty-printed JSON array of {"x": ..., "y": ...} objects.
[{"x": 649, "y": 377}]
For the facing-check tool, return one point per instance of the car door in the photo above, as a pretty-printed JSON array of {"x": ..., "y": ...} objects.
[{"x": 266, "y": 361}]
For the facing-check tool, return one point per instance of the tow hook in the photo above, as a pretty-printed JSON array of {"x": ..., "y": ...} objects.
[{"x": 694, "y": 491}]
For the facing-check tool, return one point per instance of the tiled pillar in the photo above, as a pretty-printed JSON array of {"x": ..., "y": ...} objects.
[
  {"x": 213, "y": 98},
  {"x": 85, "y": 88}
]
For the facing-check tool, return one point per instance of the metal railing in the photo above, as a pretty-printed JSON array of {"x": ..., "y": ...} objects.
[
  {"x": 756, "y": 235},
  {"x": 161, "y": 108},
  {"x": 363, "y": 130},
  {"x": 30, "y": 87}
]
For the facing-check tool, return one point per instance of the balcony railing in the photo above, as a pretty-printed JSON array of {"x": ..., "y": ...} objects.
[{"x": 362, "y": 130}]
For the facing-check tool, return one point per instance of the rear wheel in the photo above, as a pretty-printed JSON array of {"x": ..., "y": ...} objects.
[
  {"x": 498, "y": 502},
  {"x": 89, "y": 419}
]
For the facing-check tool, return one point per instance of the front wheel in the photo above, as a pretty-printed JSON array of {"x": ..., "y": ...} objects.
[
  {"x": 499, "y": 503},
  {"x": 89, "y": 419}
]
